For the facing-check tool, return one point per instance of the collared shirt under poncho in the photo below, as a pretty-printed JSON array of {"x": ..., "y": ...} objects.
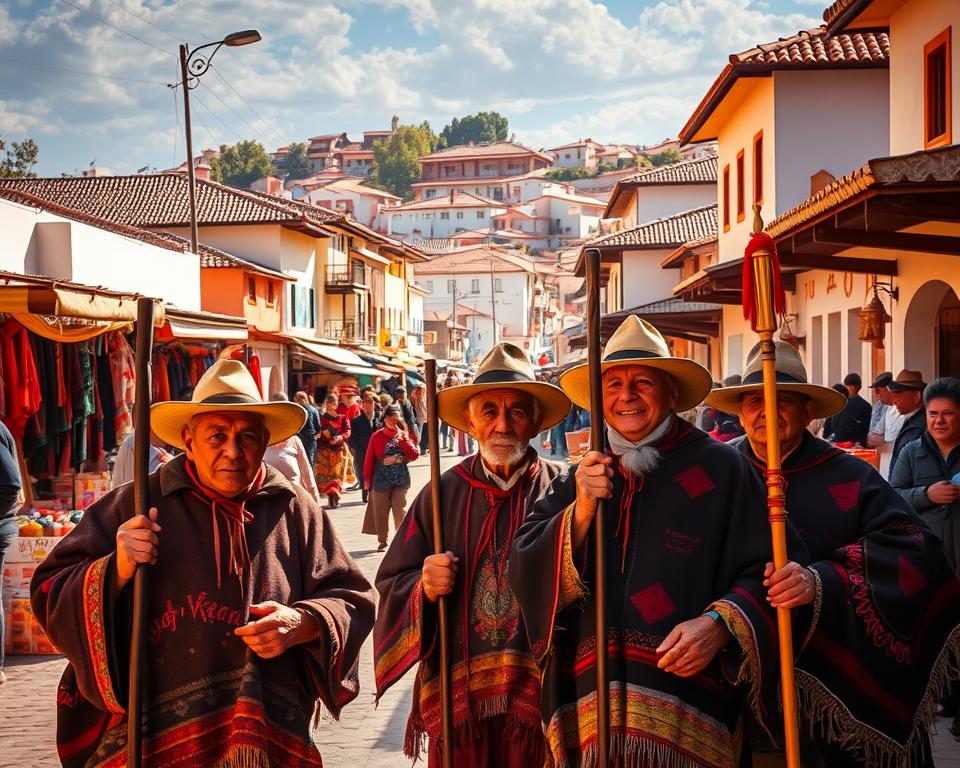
[
  {"x": 208, "y": 700},
  {"x": 693, "y": 536},
  {"x": 886, "y": 642},
  {"x": 485, "y": 622}
]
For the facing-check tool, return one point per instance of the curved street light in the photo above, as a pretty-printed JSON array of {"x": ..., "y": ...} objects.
[{"x": 193, "y": 65}]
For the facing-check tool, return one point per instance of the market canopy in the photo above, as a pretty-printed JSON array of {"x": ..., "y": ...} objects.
[
  {"x": 182, "y": 324},
  {"x": 338, "y": 359}
]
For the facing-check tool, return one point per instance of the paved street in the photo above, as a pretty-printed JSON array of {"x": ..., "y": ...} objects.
[{"x": 367, "y": 736}]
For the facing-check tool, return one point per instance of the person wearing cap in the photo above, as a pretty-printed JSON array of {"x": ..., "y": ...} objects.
[
  {"x": 906, "y": 391},
  {"x": 254, "y": 613},
  {"x": 484, "y": 499},
  {"x": 883, "y": 640},
  {"x": 687, "y": 538},
  {"x": 852, "y": 424},
  {"x": 386, "y": 475}
]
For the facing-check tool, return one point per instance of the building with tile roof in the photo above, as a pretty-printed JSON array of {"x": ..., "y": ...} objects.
[{"x": 654, "y": 193}]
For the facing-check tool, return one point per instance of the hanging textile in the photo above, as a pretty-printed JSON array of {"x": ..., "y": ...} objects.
[
  {"x": 56, "y": 330},
  {"x": 22, "y": 384},
  {"x": 122, "y": 367}
]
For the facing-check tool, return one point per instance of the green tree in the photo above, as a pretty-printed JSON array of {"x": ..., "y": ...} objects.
[
  {"x": 570, "y": 174},
  {"x": 241, "y": 164},
  {"x": 396, "y": 161},
  {"x": 296, "y": 165},
  {"x": 667, "y": 157},
  {"x": 20, "y": 158},
  {"x": 481, "y": 127}
]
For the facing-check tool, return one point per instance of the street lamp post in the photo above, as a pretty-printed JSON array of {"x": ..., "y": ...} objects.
[{"x": 192, "y": 68}]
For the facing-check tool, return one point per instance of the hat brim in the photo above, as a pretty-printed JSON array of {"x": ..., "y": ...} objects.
[
  {"x": 896, "y": 386},
  {"x": 282, "y": 419},
  {"x": 694, "y": 381},
  {"x": 452, "y": 402},
  {"x": 826, "y": 401}
]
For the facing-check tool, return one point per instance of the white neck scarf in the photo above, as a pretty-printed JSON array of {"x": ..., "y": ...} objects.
[{"x": 638, "y": 457}]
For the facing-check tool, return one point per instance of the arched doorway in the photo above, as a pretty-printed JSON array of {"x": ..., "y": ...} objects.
[{"x": 931, "y": 340}]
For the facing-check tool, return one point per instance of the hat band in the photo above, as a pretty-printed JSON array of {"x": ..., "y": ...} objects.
[
  {"x": 502, "y": 377},
  {"x": 782, "y": 378},
  {"x": 630, "y": 354},
  {"x": 237, "y": 399}
]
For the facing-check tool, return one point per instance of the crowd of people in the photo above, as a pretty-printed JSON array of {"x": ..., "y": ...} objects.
[{"x": 256, "y": 615}]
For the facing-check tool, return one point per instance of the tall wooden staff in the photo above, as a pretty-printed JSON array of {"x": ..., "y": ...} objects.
[
  {"x": 592, "y": 262},
  {"x": 433, "y": 442},
  {"x": 763, "y": 301},
  {"x": 141, "y": 501}
]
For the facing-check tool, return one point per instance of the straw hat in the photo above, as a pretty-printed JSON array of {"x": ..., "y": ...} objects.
[
  {"x": 636, "y": 342},
  {"x": 226, "y": 386},
  {"x": 791, "y": 377},
  {"x": 506, "y": 366}
]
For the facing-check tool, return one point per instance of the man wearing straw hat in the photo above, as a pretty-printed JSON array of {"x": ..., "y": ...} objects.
[
  {"x": 885, "y": 642},
  {"x": 495, "y": 680},
  {"x": 687, "y": 539},
  {"x": 255, "y": 614}
]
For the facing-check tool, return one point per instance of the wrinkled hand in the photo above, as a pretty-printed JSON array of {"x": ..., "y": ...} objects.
[
  {"x": 594, "y": 481},
  {"x": 691, "y": 646},
  {"x": 790, "y": 587},
  {"x": 276, "y": 628},
  {"x": 137, "y": 543},
  {"x": 943, "y": 492},
  {"x": 438, "y": 575},
  {"x": 874, "y": 440}
]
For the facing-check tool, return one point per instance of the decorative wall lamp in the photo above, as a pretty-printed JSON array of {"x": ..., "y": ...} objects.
[
  {"x": 787, "y": 334},
  {"x": 874, "y": 317}
]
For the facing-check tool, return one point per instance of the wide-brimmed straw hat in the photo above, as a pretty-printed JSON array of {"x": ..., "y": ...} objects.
[
  {"x": 226, "y": 386},
  {"x": 791, "y": 377},
  {"x": 506, "y": 366},
  {"x": 636, "y": 342}
]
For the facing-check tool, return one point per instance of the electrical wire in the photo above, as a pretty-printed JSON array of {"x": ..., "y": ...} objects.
[
  {"x": 275, "y": 131},
  {"x": 118, "y": 29},
  {"x": 217, "y": 117},
  {"x": 32, "y": 65},
  {"x": 236, "y": 114},
  {"x": 149, "y": 23}
]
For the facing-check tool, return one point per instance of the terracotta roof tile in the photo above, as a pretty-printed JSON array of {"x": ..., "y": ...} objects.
[
  {"x": 840, "y": 8},
  {"x": 668, "y": 232},
  {"x": 163, "y": 200},
  {"x": 816, "y": 47},
  {"x": 493, "y": 148},
  {"x": 459, "y": 200},
  {"x": 700, "y": 171}
]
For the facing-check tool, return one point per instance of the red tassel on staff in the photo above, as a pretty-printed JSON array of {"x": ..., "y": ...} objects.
[{"x": 761, "y": 241}]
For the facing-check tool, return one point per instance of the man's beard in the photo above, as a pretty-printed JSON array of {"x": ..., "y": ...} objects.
[
  {"x": 639, "y": 461},
  {"x": 503, "y": 451}
]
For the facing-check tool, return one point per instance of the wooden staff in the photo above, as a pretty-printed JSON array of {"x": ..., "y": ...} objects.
[
  {"x": 141, "y": 502},
  {"x": 763, "y": 301},
  {"x": 592, "y": 262},
  {"x": 433, "y": 443}
]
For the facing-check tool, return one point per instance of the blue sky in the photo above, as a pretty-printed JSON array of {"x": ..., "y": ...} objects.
[{"x": 558, "y": 69}]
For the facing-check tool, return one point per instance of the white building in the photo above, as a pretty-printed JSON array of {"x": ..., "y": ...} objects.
[
  {"x": 350, "y": 195},
  {"x": 578, "y": 154},
  {"x": 554, "y": 218},
  {"x": 655, "y": 193},
  {"x": 441, "y": 217}
]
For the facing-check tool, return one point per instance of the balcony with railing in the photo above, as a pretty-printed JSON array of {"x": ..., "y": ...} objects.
[
  {"x": 346, "y": 278},
  {"x": 348, "y": 330}
]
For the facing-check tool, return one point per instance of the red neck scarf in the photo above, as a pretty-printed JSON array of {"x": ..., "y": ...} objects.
[{"x": 234, "y": 514}]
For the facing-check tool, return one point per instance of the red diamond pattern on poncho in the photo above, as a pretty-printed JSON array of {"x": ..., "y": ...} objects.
[
  {"x": 911, "y": 580},
  {"x": 845, "y": 494},
  {"x": 695, "y": 481},
  {"x": 653, "y": 603}
]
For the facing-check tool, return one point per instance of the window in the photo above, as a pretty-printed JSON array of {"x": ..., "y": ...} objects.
[
  {"x": 451, "y": 286},
  {"x": 252, "y": 290},
  {"x": 430, "y": 194},
  {"x": 475, "y": 286},
  {"x": 459, "y": 214},
  {"x": 740, "y": 196},
  {"x": 444, "y": 214},
  {"x": 302, "y": 308},
  {"x": 271, "y": 297},
  {"x": 430, "y": 285},
  {"x": 497, "y": 285},
  {"x": 758, "y": 168},
  {"x": 426, "y": 215},
  {"x": 936, "y": 90},
  {"x": 726, "y": 198},
  {"x": 481, "y": 214}
]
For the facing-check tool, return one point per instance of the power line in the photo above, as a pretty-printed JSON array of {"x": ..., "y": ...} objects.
[
  {"x": 118, "y": 29},
  {"x": 237, "y": 114},
  {"x": 213, "y": 139},
  {"x": 81, "y": 72},
  {"x": 148, "y": 22},
  {"x": 217, "y": 117},
  {"x": 271, "y": 125}
]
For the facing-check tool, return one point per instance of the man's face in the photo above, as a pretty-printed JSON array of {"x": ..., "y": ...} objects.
[
  {"x": 301, "y": 398},
  {"x": 503, "y": 421},
  {"x": 907, "y": 401},
  {"x": 636, "y": 399},
  {"x": 400, "y": 395},
  {"x": 943, "y": 420},
  {"x": 884, "y": 395},
  {"x": 227, "y": 449},
  {"x": 794, "y": 413},
  {"x": 368, "y": 406}
]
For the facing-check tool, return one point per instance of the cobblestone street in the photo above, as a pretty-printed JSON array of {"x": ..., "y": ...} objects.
[{"x": 367, "y": 736}]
